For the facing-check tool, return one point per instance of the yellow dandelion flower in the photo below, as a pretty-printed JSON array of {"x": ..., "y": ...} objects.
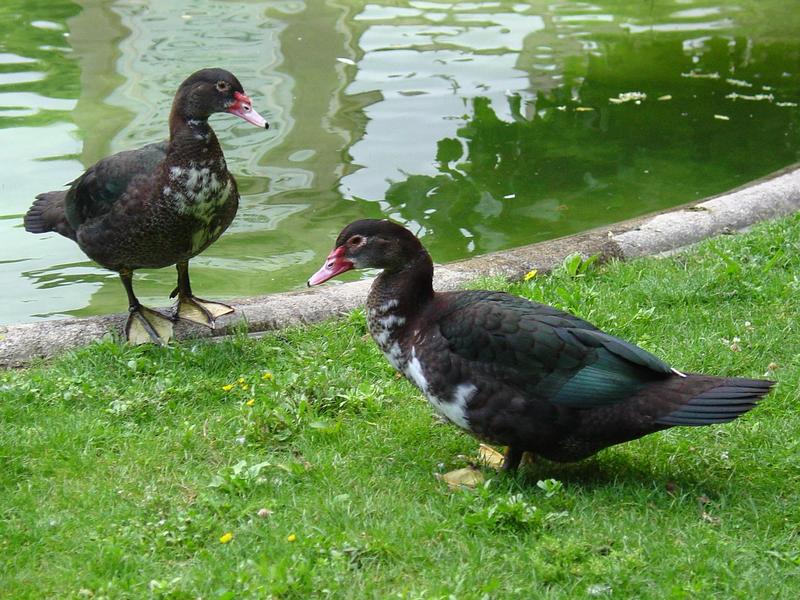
[
  {"x": 240, "y": 380},
  {"x": 251, "y": 402},
  {"x": 291, "y": 537},
  {"x": 225, "y": 537},
  {"x": 530, "y": 274},
  {"x": 267, "y": 377},
  {"x": 227, "y": 387}
]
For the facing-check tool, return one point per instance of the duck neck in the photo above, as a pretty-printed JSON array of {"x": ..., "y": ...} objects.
[
  {"x": 397, "y": 297},
  {"x": 190, "y": 136}
]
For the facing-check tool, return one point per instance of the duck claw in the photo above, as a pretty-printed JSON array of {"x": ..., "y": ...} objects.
[
  {"x": 146, "y": 326},
  {"x": 203, "y": 312}
]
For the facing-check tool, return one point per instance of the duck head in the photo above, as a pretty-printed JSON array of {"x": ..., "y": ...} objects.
[
  {"x": 210, "y": 91},
  {"x": 370, "y": 244}
]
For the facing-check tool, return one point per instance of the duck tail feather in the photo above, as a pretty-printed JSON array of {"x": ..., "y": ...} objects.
[
  {"x": 47, "y": 213},
  {"x": 721, "y": 403}
]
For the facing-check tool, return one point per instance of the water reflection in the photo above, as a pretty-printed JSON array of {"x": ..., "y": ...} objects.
[
  {"x": 564, "y": 123},
  {"x": 483, "y": 125}
]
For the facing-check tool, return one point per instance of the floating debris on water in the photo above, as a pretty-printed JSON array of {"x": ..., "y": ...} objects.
[
  {"x": 754, "y": 97},
  {"x": 665, "y": 97},
  {"x": 697, "y": 75},
  {"x": 722, "y": 117},
  {"x": 636, "y": 97},
  {"x": 739, "y": 82}
]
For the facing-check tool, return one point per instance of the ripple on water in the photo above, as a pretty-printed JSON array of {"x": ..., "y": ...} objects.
[{"x": 481, "y": 125}]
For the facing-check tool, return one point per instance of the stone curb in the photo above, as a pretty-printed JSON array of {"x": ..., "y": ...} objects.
[{"x": 773, "y": 196}]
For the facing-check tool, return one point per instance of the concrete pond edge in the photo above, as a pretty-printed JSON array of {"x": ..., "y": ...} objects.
[{"x": 771, "y": 197}]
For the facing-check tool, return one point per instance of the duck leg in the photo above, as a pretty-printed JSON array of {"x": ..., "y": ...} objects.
[
  {"x": 144, "y": 325},
  {"x": 191, "y": 308},
  {"x": 512, "y": 458}
]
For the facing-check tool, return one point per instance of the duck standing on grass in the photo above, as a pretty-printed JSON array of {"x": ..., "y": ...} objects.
[
  {"x": 518, "y": 373},
  {"x": 159, "y": 205}
]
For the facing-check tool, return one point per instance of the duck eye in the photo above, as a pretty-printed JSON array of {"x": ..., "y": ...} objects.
[
  {"x": 356, "y": 240},
  {"x": 223, "y": 86}
]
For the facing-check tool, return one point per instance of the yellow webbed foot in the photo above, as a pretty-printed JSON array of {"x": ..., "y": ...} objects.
[
  {"x": 203, "y": 312},
  {"x": 145, "y": 326}
]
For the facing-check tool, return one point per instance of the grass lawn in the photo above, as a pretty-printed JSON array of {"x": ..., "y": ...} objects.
[{"x": 299, "y": 466}]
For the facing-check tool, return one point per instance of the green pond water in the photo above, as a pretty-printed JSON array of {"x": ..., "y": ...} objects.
[{"x": 481, "y": 125}]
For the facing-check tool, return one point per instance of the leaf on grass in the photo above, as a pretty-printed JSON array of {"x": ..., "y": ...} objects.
[
  {"x": 490, "y": 457},
  {"x": 468, "y": 477},
  {"x": 255, "y": 470}
]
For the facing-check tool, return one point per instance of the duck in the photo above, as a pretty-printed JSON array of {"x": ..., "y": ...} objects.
[
  {"x": 158, "y": 205},
  {"x": 518, "y": 373}
]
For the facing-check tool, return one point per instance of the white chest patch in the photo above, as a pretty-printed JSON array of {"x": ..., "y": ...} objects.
[
  {"x": 382, "y": 333},
  {"x": 454, "y": 409},
  {"x": 395, "y": 356},
  {"x": 388, "y": 305},
  {"x": 382, "y": 327},
  {"x": 413, "y": 370},
  {"x": 197, "y": 191}
]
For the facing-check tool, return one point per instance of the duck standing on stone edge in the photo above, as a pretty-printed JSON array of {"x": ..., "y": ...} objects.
[
  {"x": 159, "y": 205},
  {"x": 518, "y": 373}
]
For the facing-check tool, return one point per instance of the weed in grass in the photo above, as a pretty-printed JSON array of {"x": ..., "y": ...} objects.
[
  {"x": 240, "y": 479},
  {"x": 510, "y": 512},
  {"x": 575, "y": 265},
  {"x": 551, "y": 487}
]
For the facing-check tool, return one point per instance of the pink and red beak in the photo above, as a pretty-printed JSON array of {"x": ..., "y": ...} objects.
[
  {"x": 243, "y": 108},
  {"x": 334, "y": 265}
]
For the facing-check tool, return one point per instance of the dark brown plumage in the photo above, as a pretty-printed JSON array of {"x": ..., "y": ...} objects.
[
  {"x": 159, "y": 205},
  {"x": 519, "y": 373}
]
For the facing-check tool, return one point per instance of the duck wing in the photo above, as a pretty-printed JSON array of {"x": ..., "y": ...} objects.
[
  {"x": 546, "y": 353},
  {"x": 94, "y": 193}
]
